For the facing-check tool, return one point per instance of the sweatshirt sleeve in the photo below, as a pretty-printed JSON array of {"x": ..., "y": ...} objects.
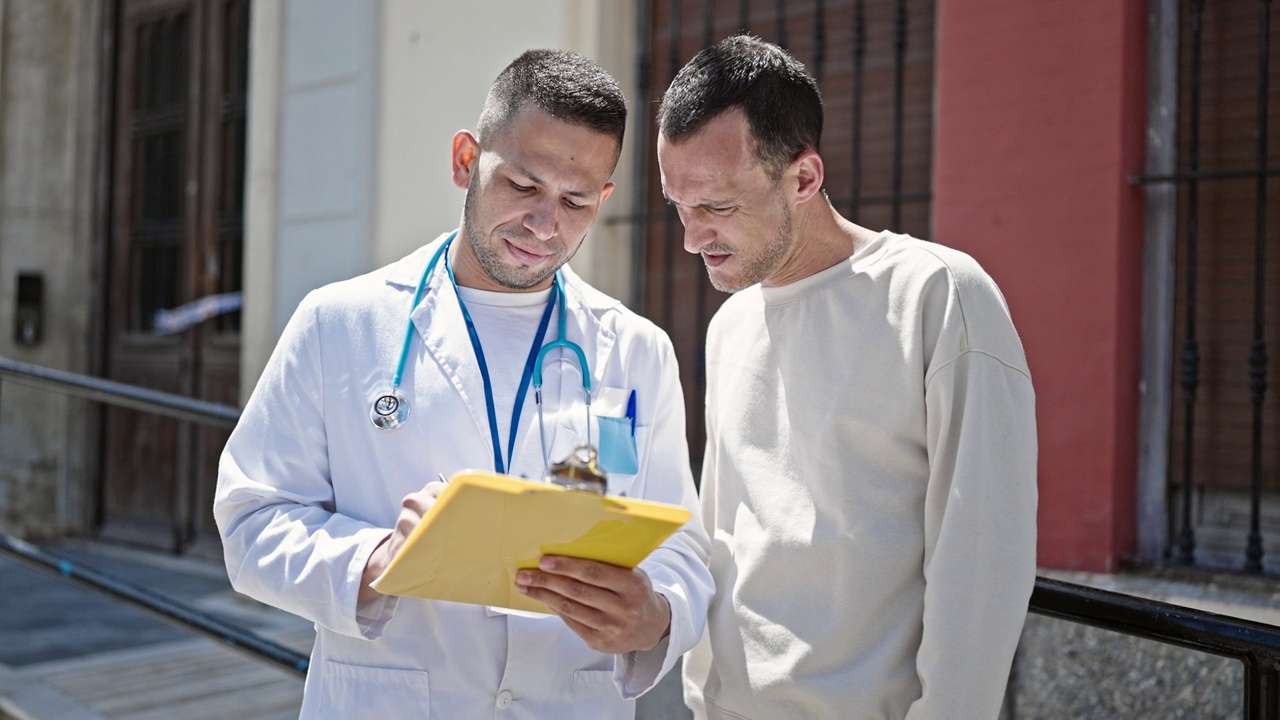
[
  {"x": 980, "y": 535},
  {"x": 283, "y": 543}
]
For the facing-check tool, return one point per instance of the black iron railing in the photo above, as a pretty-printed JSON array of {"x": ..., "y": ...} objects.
[
  {"x": 1201, "y": 235},
  {"x": 1256, "y": 645},
  {"x": 157, "y": 605},
  {"x": 159, "y": 403},
  {"x": 119, "y": 394}
]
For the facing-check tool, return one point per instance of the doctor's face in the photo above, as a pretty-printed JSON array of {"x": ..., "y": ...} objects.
[
  {"x": 533, "y": 192},
  {"x": 734, "y": 214}
]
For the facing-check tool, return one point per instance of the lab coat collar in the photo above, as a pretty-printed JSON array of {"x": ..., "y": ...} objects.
[
  {"x": 439, "y": 323},
  {"x": 407, "y": 271},
  {"x": 585, "y": 308}
]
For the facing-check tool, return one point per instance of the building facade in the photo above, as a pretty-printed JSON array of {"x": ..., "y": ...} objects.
[{"x": 1110, "y": 163}]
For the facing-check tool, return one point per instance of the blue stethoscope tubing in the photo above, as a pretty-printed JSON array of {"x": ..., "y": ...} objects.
[
  {"x": 559, "y": 342},
  {"x": 391, "y": 410}
]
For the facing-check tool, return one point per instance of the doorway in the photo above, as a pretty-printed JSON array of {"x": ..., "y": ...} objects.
[{"x": 175, "y": 237}]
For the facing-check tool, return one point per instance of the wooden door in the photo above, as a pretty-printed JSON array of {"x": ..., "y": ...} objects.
[{"x": 175, "y": 236}]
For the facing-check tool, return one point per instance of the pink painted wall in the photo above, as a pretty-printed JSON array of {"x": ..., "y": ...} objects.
[{"x": 1040, "y": 124}]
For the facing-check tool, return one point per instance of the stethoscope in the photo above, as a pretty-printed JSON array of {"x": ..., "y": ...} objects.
[{"x": 391, "y": 410}]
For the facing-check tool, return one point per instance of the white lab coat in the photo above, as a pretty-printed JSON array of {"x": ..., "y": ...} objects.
[{"x": 307, "y": 487}]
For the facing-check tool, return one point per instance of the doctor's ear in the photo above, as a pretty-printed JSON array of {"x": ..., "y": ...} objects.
[{"x": 466, "y": 154}]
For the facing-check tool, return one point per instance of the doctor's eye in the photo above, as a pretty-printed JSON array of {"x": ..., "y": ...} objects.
[
  {"x": 520, "y": 188},
  {"x": 573, "y": 205}
]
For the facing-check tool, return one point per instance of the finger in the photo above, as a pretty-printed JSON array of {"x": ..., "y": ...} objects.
[
  {"x": 418, "y": 503},
  {"x": 567, "y": 608},
  {"x": 582, "y": 593},
  {"x": 589, "y": 572}
]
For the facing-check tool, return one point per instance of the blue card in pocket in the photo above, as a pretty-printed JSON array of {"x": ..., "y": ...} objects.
[{"x": 618, "y": 446}]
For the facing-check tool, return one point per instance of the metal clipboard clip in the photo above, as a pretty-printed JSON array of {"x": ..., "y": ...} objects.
[{"x": 580, "y": 471}]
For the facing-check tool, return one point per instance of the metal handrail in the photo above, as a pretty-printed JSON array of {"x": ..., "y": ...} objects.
[
  {"x": 173, "y": 612},
  {"x": 157, "y": 605},
  {"x": 121, "y": 394},
  {"x": 1256, "y": 645}
]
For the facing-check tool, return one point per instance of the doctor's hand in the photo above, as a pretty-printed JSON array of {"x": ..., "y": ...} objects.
[
  {"x": 412, "y": 509},
  {"x": 613, "y": 609}
]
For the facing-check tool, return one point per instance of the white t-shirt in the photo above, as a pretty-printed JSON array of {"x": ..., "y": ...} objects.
[{"x": 506, "y": 323}]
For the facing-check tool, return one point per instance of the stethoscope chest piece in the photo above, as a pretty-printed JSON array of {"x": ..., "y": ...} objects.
[{"x": 389, "y": 411}]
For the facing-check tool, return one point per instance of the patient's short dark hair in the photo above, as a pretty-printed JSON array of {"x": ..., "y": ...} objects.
[{"x": 778, "y": 96}]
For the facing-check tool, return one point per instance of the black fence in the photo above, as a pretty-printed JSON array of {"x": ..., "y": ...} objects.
[
  {"x": 1214, "y": 128},
  {"x": 1255, "y": 645}
]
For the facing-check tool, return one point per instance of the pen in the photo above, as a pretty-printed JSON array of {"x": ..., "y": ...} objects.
[{"x": 631, "y": 412}]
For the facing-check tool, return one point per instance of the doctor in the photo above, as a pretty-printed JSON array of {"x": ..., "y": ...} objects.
[{"x": 314, "y": 497}]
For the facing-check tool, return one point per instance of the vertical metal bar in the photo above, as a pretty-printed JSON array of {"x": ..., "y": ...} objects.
[
  {"x": 1261, "y": 686},
  {"x": 899, "y": 73},
  {"x": 708, "y": 22},
  {"x": 1186, "y": 549},
  {"x": 1252, "y": 688},
  {"x": 744, "y": 15},
  {"x": 702, "y": 281},
  {"x": 668, "y": 221},
  {"x": 859, "y": 69},
  {"x": 1258, "y": 356},
  {"x": 780, "y": 23},
  {"x": 640, "y": 172},
  {"x": 819, "y": 39}
]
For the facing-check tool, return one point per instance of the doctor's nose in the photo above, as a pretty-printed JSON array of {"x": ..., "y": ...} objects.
[{"x": 541, "y": 221}]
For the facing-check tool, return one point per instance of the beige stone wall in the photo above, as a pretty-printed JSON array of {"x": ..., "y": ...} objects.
[
  {"x": 431, "y": 64},
  {"x": 49, "y": 117},
  {"x": 434, "y": 79}
]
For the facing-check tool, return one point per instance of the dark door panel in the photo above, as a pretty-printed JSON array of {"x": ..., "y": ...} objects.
[{"x": 175, "y": 237}]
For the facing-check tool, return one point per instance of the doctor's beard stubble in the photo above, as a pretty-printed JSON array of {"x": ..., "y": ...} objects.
[{"x": 489, "y": 257}]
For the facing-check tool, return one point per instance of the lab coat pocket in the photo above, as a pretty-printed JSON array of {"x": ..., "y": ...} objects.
[
  {"x": 350, "y": 691},
  {"x": 618, "y": 452},
  {"x": 596, "y": 697},
  {"x": 617, "y": 436}
]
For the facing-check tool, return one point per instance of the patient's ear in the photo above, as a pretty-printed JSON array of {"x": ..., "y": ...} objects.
[{"x": 809, "y": 172}]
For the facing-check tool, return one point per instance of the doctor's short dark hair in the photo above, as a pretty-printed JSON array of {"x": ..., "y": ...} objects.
[
  {"x": 779, "y": 97},
  {"x": 565, "y": 85}
]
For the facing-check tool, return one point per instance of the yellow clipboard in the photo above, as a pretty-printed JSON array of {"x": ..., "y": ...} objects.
[{"x": 484, "y": 527}]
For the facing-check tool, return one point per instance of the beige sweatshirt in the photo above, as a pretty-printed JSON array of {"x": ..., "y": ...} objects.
[{"x": 870, "y": 489}]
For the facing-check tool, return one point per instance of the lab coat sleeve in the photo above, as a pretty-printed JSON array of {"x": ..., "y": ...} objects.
[
  {"x": 678, "y": 568},
  {"x": 980, "y": 537},
  {"x": 282, "y": 541}
]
